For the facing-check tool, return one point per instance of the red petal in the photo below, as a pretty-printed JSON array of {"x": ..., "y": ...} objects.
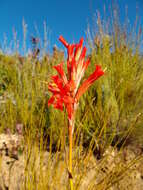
[
  {"x": 53, "y": 89},
  {"x": 88, "y": 82},
  {"x": 70, "y": 110},
  {"x": 59, "y": 105},
  {"x": 82, "y": 56},
  {"x": 71, "y": 51},
  {"x": 73, "y": 69},
  {"x": 63, "y": 41},
  {"x": 85, "y": 64},
  {"x": 70, "y": 59},
  {"x": 78, "y": 49},
  {"x": 68, "y": 100},
  {"x": 60, "y": 70},
  {"x": 58, "y": 81},
  {"x": 70, "y": 86}
]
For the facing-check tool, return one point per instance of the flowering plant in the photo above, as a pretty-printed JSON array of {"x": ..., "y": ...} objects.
[{"x": 66, "y": 88}]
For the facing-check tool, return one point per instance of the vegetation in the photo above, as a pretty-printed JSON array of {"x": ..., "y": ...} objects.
[{"x": 110, "y": 113}]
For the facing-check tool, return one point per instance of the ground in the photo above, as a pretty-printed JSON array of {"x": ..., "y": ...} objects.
[{"x": 116, "y": 170}]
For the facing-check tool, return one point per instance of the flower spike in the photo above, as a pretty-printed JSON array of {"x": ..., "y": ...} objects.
[{"x": 65, "y": 87}]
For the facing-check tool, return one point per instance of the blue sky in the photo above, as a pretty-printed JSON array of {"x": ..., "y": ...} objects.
[{"x": 69, "y": 18}]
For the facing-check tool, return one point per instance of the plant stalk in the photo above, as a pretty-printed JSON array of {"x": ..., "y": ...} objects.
[{"x": 70, "y": 127}]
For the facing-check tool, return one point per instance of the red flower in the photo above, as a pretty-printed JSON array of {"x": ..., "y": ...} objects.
[{"x": 65, "y": 88}]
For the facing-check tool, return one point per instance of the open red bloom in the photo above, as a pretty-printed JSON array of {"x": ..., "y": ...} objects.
[{"x": 65, "y": 87}]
